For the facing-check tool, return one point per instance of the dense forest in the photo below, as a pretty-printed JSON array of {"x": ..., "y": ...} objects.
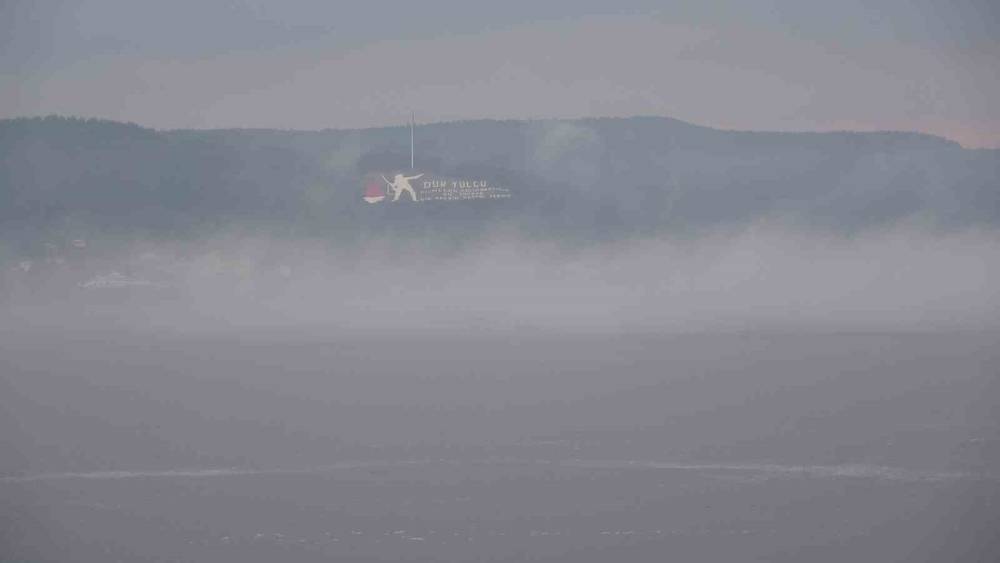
[{"x": 578, "y": 180}]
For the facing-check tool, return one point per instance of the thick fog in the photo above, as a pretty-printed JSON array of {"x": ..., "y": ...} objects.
[
  {"x": 900, "y": 278},
  {"x": 668, "y": 340},
  {"x": 588, "y": 331},
  {"x": 731, "y": 396}
]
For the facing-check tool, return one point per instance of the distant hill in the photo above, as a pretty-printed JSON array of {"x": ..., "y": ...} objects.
[{"x": 587, "y": 179}]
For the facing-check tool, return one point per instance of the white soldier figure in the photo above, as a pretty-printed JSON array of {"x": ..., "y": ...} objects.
[{"x": 401, "y": 184}]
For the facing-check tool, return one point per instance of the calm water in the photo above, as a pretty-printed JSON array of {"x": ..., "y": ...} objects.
[{"x": 506, "y": 447}]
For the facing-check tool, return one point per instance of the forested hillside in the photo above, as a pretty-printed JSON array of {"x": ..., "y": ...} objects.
[{"x": 583, "y": 180}]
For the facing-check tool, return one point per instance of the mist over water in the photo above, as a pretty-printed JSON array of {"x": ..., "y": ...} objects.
[
  {"x": 741, "y": 391},
  {"x": 441, "y": 281},
  {"x": 900, "y": 278},
  {"x": 714, "y": 364}
]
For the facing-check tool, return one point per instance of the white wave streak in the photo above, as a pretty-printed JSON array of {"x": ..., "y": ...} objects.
[
  {"x": 765, "y": 469},
  {"x": 828, "y": 471},
  {"x": 196, "y": 473}
]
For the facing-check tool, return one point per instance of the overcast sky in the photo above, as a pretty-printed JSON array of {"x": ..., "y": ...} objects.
[{"x": 921, "y": 65}]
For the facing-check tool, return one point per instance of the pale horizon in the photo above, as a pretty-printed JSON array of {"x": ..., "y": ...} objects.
[{"x": 908, "y": 67}]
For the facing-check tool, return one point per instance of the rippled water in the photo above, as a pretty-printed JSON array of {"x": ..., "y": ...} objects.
[{"x": 708, "y": 448}]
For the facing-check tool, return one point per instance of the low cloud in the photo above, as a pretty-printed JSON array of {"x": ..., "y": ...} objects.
[{"x": 763, "y": 277}]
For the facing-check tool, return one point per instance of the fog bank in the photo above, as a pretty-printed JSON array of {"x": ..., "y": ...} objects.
[{"x": 762, "y": 277}]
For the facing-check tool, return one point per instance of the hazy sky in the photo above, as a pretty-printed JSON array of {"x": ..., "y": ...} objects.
[{"x": 780, "y": 65}]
